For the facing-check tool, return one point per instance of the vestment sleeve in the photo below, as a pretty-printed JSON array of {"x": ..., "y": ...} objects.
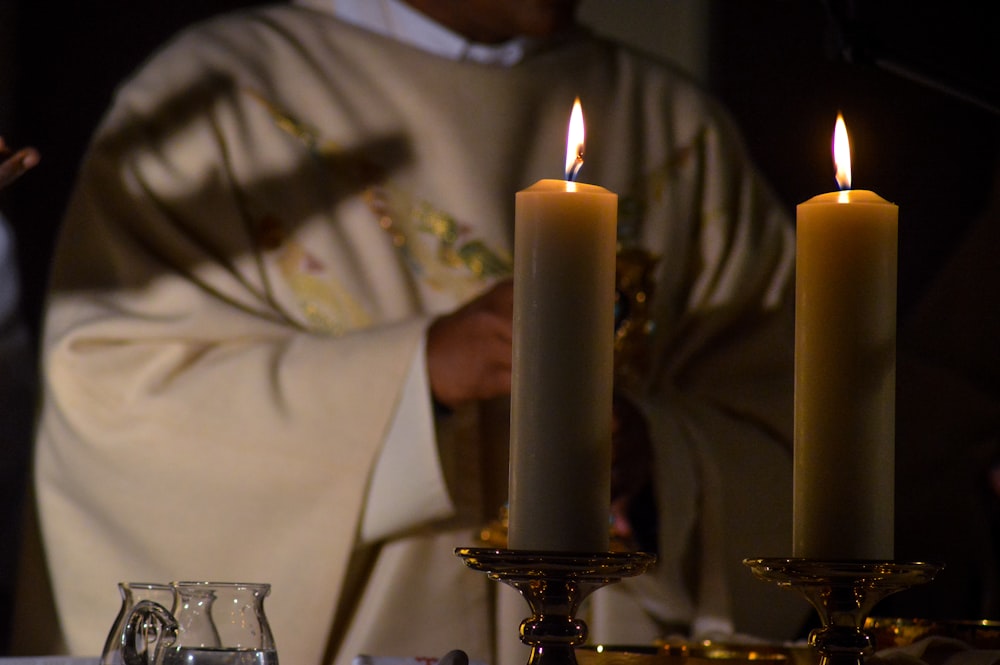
[
  {"x": 193, "y": 410},
  {"x": 408, "y": 485}
]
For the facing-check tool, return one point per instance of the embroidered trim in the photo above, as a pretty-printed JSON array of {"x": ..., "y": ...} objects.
[{"x": 389, "y": 205}]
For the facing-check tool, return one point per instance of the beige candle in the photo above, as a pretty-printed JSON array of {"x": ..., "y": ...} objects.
[
  {"x": 845, "y": 335},
  {"x": 564, "y": 280}
]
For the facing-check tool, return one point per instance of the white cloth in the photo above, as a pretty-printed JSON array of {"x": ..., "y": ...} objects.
[
  {"x": 396, "y": 19},
  {"x": 270, "y": 214},
  {"x": 407, "y": 485}
]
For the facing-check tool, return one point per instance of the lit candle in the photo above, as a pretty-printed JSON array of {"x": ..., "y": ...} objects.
[
  {"x": 845, "y": 371},
  {"x": 564, "y": 281}
]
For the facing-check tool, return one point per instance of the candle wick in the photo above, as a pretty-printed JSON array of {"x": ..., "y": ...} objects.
[{"x": 574, "y": 169}]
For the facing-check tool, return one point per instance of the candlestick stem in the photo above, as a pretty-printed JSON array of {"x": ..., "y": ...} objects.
[
  {"x": 843, "y": 594},
  {"x": 554, "y": 584}
]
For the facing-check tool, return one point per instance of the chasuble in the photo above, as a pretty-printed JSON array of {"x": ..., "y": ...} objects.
[{"x": 273, "y": 210}]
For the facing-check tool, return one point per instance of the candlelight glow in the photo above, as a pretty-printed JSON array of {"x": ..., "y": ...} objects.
[
  {"x": 574, "y": 142},
  {"x": 842, "y": 153}
]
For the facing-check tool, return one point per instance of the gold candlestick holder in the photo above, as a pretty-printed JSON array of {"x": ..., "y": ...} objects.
[
  {"x": 843, "y": 593},
  {"x": 554, "y": 584}
]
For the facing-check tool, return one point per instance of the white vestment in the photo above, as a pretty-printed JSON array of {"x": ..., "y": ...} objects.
[{"x": 271, "y": 213}]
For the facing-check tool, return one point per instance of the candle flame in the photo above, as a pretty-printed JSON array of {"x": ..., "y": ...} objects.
[
  {"x": 574, "y": 142},
  {"x": 842, "y": 153}
]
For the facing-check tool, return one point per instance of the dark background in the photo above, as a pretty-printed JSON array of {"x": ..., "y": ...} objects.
[{"x": 927, "y": 140}]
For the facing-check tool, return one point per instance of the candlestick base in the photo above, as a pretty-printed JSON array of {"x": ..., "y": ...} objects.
[
  {"x": 843, "y": 593},
  {"x": 554, "y": 584}
]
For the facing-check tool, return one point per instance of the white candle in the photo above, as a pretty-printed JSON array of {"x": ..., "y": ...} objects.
[
  {"x": 564, "y": 281},
  {"x": 845, "y": 368}
]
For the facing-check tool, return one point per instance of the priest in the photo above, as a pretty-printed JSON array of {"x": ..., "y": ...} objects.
[{"x": 277, "y": 342}]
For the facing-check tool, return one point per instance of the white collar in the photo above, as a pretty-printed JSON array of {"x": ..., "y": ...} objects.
[{"x": 396, "y": 19}]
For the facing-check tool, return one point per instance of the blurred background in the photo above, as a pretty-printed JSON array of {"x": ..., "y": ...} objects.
[{"x": 919, "y": 86}]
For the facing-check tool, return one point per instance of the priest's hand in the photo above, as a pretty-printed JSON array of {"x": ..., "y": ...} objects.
[
  {"x": 14, "y": 164},
  {"x": 469, "y": 350}
]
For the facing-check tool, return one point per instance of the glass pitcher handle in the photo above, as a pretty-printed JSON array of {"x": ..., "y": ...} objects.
[{"x": 151, "y": 625}]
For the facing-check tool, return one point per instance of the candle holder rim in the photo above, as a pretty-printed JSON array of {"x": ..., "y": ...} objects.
[
  {"x": 792, "y": 559},
  {"x": 532, "y": 563},
  {"x": 842, "y": 572},
  {"x": 549, "y": 554},
  {"x": 841, "y": 565}
]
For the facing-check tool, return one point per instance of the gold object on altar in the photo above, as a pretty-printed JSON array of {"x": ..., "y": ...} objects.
[
  {"x": 706, "y": 652},
  {"x": 891, "y": 632},
  {"x": 634, "y": 286}
]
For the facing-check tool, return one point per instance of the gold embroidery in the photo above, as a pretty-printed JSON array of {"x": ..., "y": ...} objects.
[
  {"x": 327, "y": 306},
  {"x": 452, "y": 262}
]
